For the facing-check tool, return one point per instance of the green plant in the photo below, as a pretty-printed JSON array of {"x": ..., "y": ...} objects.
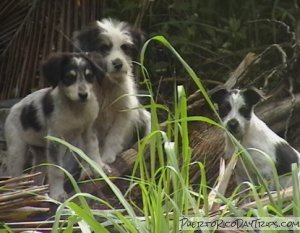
[{"x": 164, "y": 181}]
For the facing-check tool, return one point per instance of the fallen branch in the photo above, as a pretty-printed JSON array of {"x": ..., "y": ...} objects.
[
  {"x": 21, "y": 200},
  {"x": 206, "y": 141}
]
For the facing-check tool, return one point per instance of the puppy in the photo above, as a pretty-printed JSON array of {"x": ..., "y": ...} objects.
[
  {"x": 67, "y": 110},
  {"x": 120, "y": 117},
  {"x": 236, "y": 111}
]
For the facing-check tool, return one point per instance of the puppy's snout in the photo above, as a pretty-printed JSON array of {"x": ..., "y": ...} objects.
[
  {"x": 83, "y": 96},
  {"x": 233, "y": 126},
  {"x": 118, "y": 64}
]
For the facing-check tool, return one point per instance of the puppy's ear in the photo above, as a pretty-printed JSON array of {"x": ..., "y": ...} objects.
[
  {"x": 98, "y": 64},
  {"x": 218, "y": 95},
  {"x": 138, "y": 38},
  {"x": 252, "y": 96},
  {"x": 87, "y": 38},
  {"x": 52, "y": 68}
]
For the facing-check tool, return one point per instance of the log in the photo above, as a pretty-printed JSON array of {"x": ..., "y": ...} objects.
[
  {"x": 206, "y": 141},
  {"x": 275, "y": 113},
  {"x": 20, "y": 199}
]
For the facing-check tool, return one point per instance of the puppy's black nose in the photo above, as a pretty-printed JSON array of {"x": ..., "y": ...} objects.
[
  {"x": 233, "y": 125},
  {"x": 83, "y": 96},
  {"x": 117, "y": 63}
]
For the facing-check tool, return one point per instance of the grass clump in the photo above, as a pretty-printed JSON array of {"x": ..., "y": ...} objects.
[{"x": 163, "y": 179}]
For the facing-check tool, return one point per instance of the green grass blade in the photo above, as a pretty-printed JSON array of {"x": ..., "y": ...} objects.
[{"x": 87, "y": 217}]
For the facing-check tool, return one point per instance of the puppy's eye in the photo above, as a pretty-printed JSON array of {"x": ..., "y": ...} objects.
[
  {"x": 89, "y": 76},
  {"x": 71, "y": 73},
  {"x": 245, "y": 111},
  {"x": 104, "y": 48},
  {"x": 127, "y": 48},
  {"x": 224, "y": 109},
  {"x": 70, "y": 77}
]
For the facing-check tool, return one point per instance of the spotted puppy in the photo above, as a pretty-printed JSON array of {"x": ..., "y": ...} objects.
[
  {"x": 66, "y": 110},
  {"x": 121, "y": 117},
  {"x": 236, "y": 110}
]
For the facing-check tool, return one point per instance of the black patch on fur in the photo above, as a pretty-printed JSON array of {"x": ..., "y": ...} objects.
[
  {"x": 29, "y": 118},
  {"x": 89, "y": 39},
  {"x": 138, "y": 37},
  {"x": 129, "y": 50},
  {"x": 251, "y": 97},
  {"x": 220, "y": 97},
  {"x": 90, "y": 77},
  {"x": 53, "y": 68},
  {"x": 285, "y": 156},
  {"x": 98, "y": 65},
  {"x": 224, "y": 109},
  {"x": 246, "y": 111},
  {"x": 103, "y": 48},
  {"x": 68, "y": 79},
  {"x": 57, "y": 68},
  {"x": 138, "y": 41},
  {"x": 47, "y": 104}
]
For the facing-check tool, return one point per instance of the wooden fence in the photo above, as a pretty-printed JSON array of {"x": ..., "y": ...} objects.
[{"x": 32, "y": 29}]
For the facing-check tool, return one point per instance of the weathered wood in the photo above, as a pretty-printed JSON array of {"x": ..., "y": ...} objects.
[
  {"x": 3, "y": 113},
  {"x": 276, "y": 112},
  {"x": 30, "y": 31},
  {"x": 206, "y": 141},
  {"x": 20, "y": 199},
  {"x": 22, "y": 213},
  {"x": 241, "y": 70}
]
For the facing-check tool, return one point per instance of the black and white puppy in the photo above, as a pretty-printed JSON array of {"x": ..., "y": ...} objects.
[
  {"x": 120, "y": 116},
  {"x": 236, "y": 111},
  {"x": 66, "y": 110}
]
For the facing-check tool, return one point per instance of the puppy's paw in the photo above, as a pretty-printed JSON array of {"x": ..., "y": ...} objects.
[
  {"x": 108, "y": 158},
  {"x": 106, "y": 168},
  {"x": 86, "y": 173},
  {"x": 59, "y": 196}
]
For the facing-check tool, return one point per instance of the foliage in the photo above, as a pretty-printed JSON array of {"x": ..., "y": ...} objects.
[
  {"x": 164, "y": 181},
  {"x": 212, "y": 36}
]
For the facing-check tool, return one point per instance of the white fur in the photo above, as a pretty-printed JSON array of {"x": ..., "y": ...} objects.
[
  {"x": 120, "y": 112},
  {"x": 236, "y": 102},
  {"x": 119, "y": 106},
  {"x": 71, "y": 120},
  {"x": 117, "y": 36},
  {"x": 258, "y": 139}
]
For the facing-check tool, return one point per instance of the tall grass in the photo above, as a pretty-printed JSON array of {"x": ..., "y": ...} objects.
[{"x": 163, "y": 178}]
